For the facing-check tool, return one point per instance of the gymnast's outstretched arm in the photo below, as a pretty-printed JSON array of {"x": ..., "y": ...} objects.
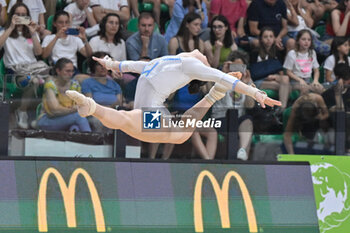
[{"x": 122, "y": 66}]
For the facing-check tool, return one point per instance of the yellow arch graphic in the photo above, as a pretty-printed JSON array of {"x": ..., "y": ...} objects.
[
  {"x": 68, "y": 194},
  {"x": 222, "y": 200}
]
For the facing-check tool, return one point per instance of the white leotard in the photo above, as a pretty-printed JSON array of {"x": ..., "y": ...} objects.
[{"x": 162, "y": 76}]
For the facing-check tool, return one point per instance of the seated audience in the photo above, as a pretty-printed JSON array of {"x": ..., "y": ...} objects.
[
  {"x": 268, "y": 13},
  {"x": 59, "y": 113},
  {"x": 181, "y": 8},
  {"x": 221, "y": 43},
  {"x": 187, "y": 39},
  {"x": 300, "y": 18},
  {"x": 237, "y": 101},
  {"x": 101, "y": 8},
  {"x": 233, "y": 10},
  {"x": 338, "y": 24},
  {"x": 146, "y": 44},
  {"x": 340, "y": 51},
  {"x": 275, "y": 80},
  {"x": 21, "y": 44},
  {"x": 59, "y": 44},
  {"x": 109, "y": 38},
  {"x": 80, "y": 12},
  {"x": 102, "y": 89},
  {"x": 302, "y": 66}
]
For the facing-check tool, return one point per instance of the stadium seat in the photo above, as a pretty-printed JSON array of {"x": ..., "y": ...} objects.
[
  {"x": 147, "y": 6},
  {"x": 49, "y": 23},
  {"x": 133, "y": 25}
]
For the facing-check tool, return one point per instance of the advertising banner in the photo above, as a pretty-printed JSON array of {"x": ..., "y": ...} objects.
[
  {"x": 331, "y": 180},
  {"x": 133, "y": 197}
]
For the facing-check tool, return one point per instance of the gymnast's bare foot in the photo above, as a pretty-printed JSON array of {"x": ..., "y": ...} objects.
[{"x": 86, "y": 105}]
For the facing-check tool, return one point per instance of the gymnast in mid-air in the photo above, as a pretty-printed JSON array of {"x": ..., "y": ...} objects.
[{"x": 158, "y": 79}]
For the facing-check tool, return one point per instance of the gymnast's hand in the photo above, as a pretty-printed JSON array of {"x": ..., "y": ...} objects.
[
  {"x": 107, "y": 63},
  {"x": 263, "y": 99}
]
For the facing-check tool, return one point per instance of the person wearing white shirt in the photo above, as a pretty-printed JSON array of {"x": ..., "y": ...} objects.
[
  {"x": 110, "y": 39},
  {"x": 21, "y": 44},
  {"x": 79, "y": 11},
  {"x": 36, "y": 9},
  {"x": 102, "y": 7},
  {"x": 59, "y": 44}
]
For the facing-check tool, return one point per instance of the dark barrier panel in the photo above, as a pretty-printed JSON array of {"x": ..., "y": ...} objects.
[
  {"x": 108, "y": 196},
  {"x": 4, "y": 128}
]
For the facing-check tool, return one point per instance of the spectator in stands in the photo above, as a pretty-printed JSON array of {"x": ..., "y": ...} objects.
[
  {"x": 234, "y": 10},
  {"x": 274, "y": 81},
  {"x": 109, "y": 38},
  {"x": 319, "y": 9},
  {"x": 187, "y": 39},
  {"x": 101, "y": 8},
  {"x": 339, "y": 21},
  {"x": 301, "y": 62},
  {"x": 300, "y": 18},
  {"x": 268, "y": 13},
  {"x": 59, "y": 44},
  {"x": 3, "y": 5},
  {"x": 338, "y": 96},
  {"x": 79, "y": 11},
  {"x": 221, "y": 43},
  {"x": 59, "y": 113},
  {"x": 340, "y": 51},
  {"x": 37, "y": 11},
  {"x": 146, "y": 44},
  {"x": 306, "y": 112},
  {"x": 156, "y": 7},
  {"x": 239, "y": 102},
  {"x": 181, "y": 8},
  {"x": 102, "y": 89},
  {"x": 21, "y": 44}
]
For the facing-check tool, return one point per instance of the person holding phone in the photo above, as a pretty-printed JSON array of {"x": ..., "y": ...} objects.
[
  {"x": 21, "y": 44},
  {"x": 62, "y": 43}
]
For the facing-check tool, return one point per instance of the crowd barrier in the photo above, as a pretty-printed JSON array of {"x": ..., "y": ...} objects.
[
  {"x": 100, "y": 195},
  {"x": 331, "y": 181}
]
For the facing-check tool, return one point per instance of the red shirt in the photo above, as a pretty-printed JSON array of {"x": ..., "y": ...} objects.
[
  {"x": 233, "y": 11},
  {"x": 330, "y": 30}
]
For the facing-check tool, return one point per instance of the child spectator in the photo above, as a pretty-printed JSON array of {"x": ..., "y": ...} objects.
[
  {"x": 274, "y": 81},
  {"x": 59, "y": 44},
  {"x": 301, "y": 62},
  {"x": 58, "y": 111},
  {"x": 221, "y": 43},
  {"x": 340, "y": 51},
  {"x": 21, "y": 44},
  {"x": 102, "y": 89}
]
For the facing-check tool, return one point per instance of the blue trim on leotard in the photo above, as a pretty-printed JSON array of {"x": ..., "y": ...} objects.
[
  {"x": 120, "y": 67},
  {"x": 149, "y": 71},
  {"x": 234, "y": 84}
]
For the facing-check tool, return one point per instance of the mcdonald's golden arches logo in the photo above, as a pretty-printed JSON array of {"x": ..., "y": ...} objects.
[
  {"x": 222, "y": 200},
  {"x": 68, "y": 193}
]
